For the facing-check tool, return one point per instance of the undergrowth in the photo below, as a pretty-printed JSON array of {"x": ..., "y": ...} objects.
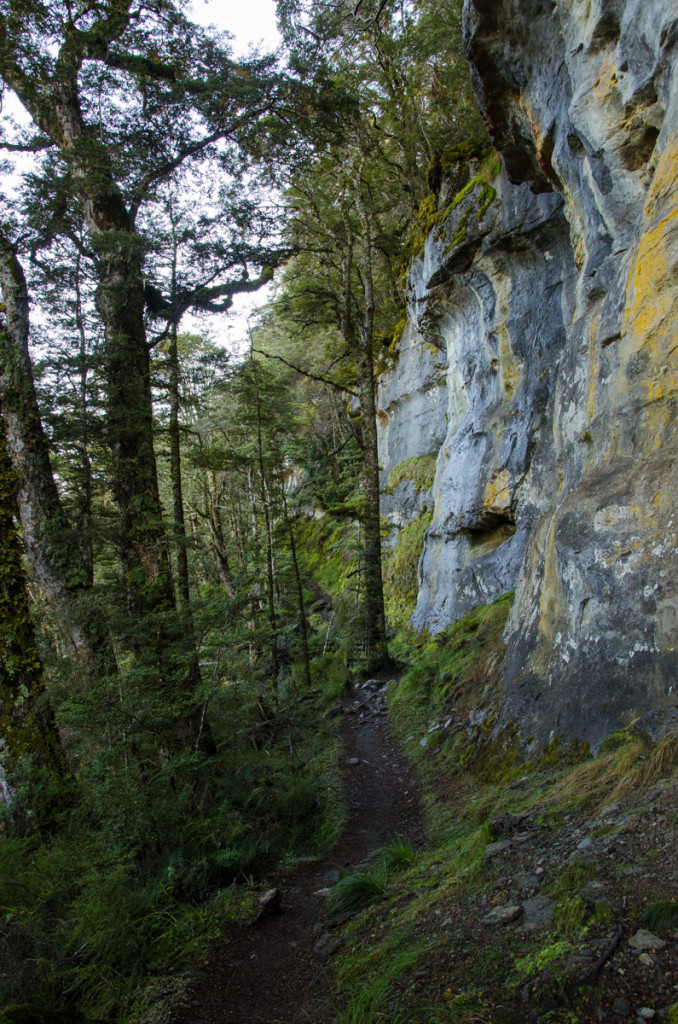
[{"x": 420, "y": 930}]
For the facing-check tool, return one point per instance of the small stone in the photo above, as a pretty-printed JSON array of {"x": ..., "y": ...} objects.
[
  {"x": 353, "y": 760},
  {"x": 493, "y": 849},
  {"x": 585, "y": 844},
  {"x": 610, "y": 810},
  {"x": 646, "y": 960},
  {"x": 620, "y": 1008},
  {"x": 503, "y": 915},
  {"x": 328, "y": 945},
  {"x": 270, "y": 901},
  {"x": 644, "y": 940},
  {"x": 647, "y": 1013},
  {"x": 536, "y": 913},
  {"x": 594, "y": 894},
  {"x": 526, "y": 881}
]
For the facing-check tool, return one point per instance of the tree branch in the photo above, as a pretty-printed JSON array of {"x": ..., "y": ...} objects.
[{"x": 307, "y": 373}]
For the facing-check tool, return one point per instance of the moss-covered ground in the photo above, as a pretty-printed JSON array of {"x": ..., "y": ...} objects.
[{"x": 580, "y": 847}]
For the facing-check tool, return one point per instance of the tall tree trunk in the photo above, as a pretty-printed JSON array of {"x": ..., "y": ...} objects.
[
  {"x": 273, "y": 619},
  {"x": 142, "y": 540},
  {"x": 83, "y": 518},
  {"x": 27, "y": 726},
  {"x": 360, "y": 343},
  {"x": 216, "y": 531},
  {"x": 51, "y": 545},
  {"x": 303, "y": 622},
  {"x": 179, "y": 521},
  {"x": 377, "y": 647}
]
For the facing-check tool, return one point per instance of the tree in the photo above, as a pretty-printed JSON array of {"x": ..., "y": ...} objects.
[
  {"x": 74, "y": 70},
  {"x": 28, "y": 731},
  {"x": 51, "y": 544}
]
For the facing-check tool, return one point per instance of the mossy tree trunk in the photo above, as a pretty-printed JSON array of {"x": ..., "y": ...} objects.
[
  {"x": 27, "y": 728},
  {"x": 360, "y": 340},
  {"x": 51, "y": 545},
  {"x": 55, "y": 106}
]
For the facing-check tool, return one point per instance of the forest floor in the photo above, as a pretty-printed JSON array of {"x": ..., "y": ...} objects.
[{"x": 274, "y": 972}]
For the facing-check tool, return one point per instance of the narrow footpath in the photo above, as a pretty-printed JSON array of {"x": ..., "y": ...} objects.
[{"x": 274, "y": 972}]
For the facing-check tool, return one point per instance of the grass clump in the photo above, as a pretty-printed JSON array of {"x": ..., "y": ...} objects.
[
  {"x": 661, "y": 916},
  {"x": 398, "y": 855},
  {"x": 370, "y": 1006},
  {"x": 357, "y": 890},
  {"x": 420, "y": 470},
  {"x": 400, "y": 571}
]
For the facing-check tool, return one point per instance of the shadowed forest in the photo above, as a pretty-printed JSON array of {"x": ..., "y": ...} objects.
[{"x": 196, "y": 579}]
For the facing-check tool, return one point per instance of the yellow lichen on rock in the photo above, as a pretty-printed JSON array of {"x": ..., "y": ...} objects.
[
  {"x": 652, "y": 288},
  {"x": 498, "y": 492}
]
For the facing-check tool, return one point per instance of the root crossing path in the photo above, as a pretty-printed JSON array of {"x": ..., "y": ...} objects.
[{"x": 274, "y": 972}]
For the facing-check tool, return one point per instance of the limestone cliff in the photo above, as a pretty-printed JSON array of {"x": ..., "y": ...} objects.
[{"x": 550, "y": 299}]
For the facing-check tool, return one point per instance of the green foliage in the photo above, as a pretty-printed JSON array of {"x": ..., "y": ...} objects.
[
  {"x": 370, "y": 1006},
  {"x": 420, "y": 470},
  {"x": 400, "y": 566},
  {"x": 398, "y": 855},
  {"x": 357, "y": 890},
  {"x": 150, "y": 863},
  {"x": 672, "y": 1014},
  {"x": 455, "y": 661},
  {"x": 661, "y": 916},
  {"x": 526, "y": 968}
]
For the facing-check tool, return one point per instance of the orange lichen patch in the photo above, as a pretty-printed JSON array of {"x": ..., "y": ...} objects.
[
  {"x": 606, "y": 82},
  {"x": 594, "y": 359},
  {"x": 553, "y": 603},
  {"x": 498, "y": 493},
  {"x": 511, "y": 365},
  {"x": 652, "y": 288}
]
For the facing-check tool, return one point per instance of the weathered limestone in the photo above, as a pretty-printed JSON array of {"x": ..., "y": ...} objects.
[
  {"x": 557, "y": 311},
  {"x": 412, "y": 402}
]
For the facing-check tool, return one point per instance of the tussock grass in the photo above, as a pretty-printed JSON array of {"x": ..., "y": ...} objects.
[
  {"x": 357, "y": 890},
  {"x": 369, "y": 1007},
  {"x": 662, "y": 916},
  {"x": 398, "y": 855}
]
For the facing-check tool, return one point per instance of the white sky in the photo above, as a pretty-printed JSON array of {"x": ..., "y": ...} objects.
[
  {"x": 252, "y": 23},
  {"x": 249, "y": 21}
]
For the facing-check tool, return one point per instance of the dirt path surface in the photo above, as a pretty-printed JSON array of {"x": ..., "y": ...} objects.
[{"x": 273, "y": 973}]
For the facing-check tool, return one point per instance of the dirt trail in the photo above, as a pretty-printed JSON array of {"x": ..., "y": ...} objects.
[{"x": 272, "y": 973}]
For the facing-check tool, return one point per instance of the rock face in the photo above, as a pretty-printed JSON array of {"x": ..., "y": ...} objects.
[{"x": 552, "y": 297}]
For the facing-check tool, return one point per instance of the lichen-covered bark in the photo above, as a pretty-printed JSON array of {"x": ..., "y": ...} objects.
[
  {"x": 27, "y": 726},
  {"x": 51, "y": 545},
  {"x": 53, "y": 101}
]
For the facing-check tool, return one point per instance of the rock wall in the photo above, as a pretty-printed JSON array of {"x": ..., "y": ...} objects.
[{"x": 552, "y": 296}]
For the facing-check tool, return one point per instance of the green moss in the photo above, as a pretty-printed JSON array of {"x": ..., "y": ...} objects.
[
  {"x": 421, "y": 470},
  {"x": 672, "y": 1014},
  {"x": 398, "y": 332},
  {"x": 462, "y": 152},
  {"x": 615, "y": 741},
  {"x": 400, "y": 571},
  {"x": 328, "y": 550},
  {"x": 485, "y": 199},
  {"x": 528, "y": 967}
]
